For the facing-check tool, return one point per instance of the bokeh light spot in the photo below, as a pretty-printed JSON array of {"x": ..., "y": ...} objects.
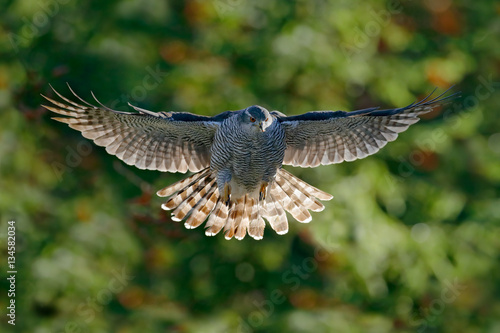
[
  {"x": 494, "y": 143},
  {"x": 245, "y": 272},
  {"x": 420, "y": 232}
]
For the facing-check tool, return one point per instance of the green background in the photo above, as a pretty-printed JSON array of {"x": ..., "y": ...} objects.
[{"x": 410, "y": 243}]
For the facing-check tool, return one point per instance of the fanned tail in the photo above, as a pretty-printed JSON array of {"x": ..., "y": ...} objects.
[
  {"x": 293, "y": 195},
  {"x": 196, "y": 198}
]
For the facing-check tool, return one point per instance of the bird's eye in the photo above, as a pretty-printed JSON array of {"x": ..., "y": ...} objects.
[{"x": 252, "y": 119}]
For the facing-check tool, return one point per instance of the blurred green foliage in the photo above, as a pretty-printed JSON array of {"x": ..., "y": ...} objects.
[{"x": 409, "y": 243}]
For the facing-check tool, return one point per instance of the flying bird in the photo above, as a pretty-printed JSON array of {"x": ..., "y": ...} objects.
[{"x": 237, "y": 156}]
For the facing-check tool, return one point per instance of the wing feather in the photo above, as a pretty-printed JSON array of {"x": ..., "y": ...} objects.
[
  {"x": 326, "y": 137},
  {"x": 165, "y": 141}
]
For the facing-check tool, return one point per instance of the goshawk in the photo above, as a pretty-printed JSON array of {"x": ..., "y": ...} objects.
[{"x": 236, "y": 156}]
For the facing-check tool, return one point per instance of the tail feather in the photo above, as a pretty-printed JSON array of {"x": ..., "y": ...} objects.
[
  {"x": 235, "y": 217},
  {"x": 186, "y": 192},
  {"x": 313, "y": 191},
  {"x": 301, "y": 191},
  {"x": 196, "y": 198},
  {"x": 276, "y": 215},
  {"x": 291, "y": 200},
  {"x": 256, "y": 225},
  {"x": 175, "y": 187},
  {"x": 217, "y": 219},
  {"x": 256, "y": 228},
  {"x": 192, "y": 201},
  {"x": 267, "y": 209},
  {"x": 241, "y": 229},
  {"x": 202, "y": 209}
]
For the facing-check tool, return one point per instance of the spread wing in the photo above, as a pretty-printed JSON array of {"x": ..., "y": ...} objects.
[
  {"x": 326, "y": 137},
  {"x": 164, "y": 141}
]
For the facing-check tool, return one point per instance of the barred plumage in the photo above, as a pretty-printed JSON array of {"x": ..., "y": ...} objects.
[
  {"x": 200, "y": 197},
  {"x": 237, "y": 156}
]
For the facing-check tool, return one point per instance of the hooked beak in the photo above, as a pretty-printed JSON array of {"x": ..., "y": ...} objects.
[{"x": 261, "y": 126}]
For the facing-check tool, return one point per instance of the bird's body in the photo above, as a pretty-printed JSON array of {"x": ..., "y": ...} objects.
[
  {"x": 246, "y": 156},
  {"x": 237, "y": 156}
]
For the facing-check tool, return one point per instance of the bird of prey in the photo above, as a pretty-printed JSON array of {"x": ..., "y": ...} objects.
[{"x": 237, "y": 156}]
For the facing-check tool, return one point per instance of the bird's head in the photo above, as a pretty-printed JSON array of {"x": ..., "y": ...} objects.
[{"x": 256, "y": 118}]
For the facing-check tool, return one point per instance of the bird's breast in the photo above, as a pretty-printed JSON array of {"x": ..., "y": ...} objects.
[
  {"x": 249, "y": 157},
  {"x": 258, "y": 158}
]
